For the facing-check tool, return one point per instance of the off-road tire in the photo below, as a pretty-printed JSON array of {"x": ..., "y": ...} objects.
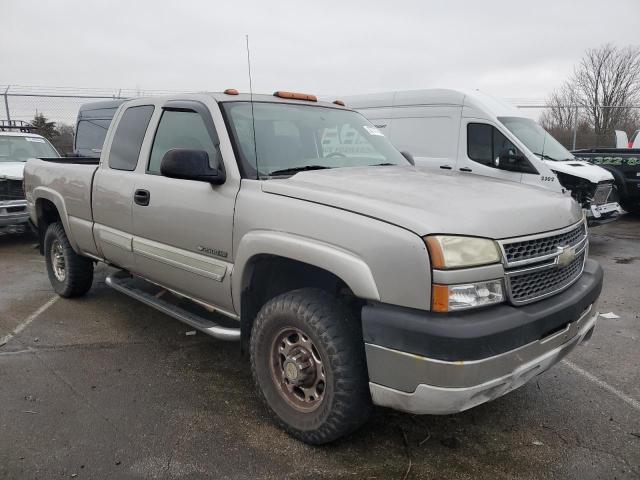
[
  {"x": 337, "y": 336},
  {"x": 78, "y": 269}
]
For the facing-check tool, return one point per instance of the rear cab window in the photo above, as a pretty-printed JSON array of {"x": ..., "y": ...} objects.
[{"x": 128, "y": 138}]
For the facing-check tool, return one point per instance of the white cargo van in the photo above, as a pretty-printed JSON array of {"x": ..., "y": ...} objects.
[{"x": 475, "y": 133}]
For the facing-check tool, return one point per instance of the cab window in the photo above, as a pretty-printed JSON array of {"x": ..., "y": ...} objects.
[
  {"x": 128, "y": 138},
  {"x": 180, "y": 129},
  {"x": 485, "y": 143}
]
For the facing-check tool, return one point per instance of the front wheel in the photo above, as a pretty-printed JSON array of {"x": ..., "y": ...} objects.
[
  {"x": 308, "y": 362},
  {"x": 70, "y": 274},
  {"x": 631, "y": 207}
]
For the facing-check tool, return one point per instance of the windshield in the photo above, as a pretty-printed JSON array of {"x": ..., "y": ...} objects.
[
  {"x": 290, "y": 136},
  {"x": 20, "y": 149},
  {"x": 536, "y": 138}
]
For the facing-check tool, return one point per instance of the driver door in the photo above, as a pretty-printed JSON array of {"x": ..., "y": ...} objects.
[{"x": 183, "y": 228}]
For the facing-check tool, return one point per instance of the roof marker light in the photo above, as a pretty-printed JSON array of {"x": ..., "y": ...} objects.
[
  {"x": 296, "y": 96},
  {"x": 231, "y": 91},
  {"x": 339, "y": 102}
]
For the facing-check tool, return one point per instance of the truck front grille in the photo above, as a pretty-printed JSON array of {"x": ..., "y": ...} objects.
[
  {"x": 542, "y": 265},
  {"x": 527, "y": 287},
  {"x": 11, "y": 190},
  {"x": 526, "y": 250},
  {"x": 601, "y": 194}
]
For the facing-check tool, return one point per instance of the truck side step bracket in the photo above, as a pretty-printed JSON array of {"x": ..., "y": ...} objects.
[{"x": 131, "y": 286}]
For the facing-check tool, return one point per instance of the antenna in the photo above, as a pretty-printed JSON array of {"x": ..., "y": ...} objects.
[{"x": 253, "y": 118}]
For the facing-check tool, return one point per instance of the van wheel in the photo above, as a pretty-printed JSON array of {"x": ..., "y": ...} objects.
[
  {"x": 70, "y": 274},
  {"x": 308, "y": 362}
]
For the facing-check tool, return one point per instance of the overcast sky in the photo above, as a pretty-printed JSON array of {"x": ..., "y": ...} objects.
[{"x": 511, "y": 49}]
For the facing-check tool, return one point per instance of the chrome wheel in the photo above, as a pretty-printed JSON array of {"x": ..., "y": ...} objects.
[
  {"x": 297, "y": 369},
  {"x": 57, "y": 261}
]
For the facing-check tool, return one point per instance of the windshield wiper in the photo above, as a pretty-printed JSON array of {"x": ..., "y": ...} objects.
[
  {"x": 292, "y": 170},
  {"x": 382, "y": 164},
  {"x": 546, "y": 157}
]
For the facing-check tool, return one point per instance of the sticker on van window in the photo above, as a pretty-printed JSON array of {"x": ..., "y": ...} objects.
[
  {"x": 373, "y": 130},
  {"x": 35, "y": 139}
]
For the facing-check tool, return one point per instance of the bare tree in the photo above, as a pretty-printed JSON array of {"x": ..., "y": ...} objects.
[
  {"x": 605, "y": 86},
  {"x": 607, "y": 82},
  {"x": 560, "y": 112}
]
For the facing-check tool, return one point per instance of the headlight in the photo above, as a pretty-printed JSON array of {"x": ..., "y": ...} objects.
[
  {"x": 446, "y": 298},
  {"x": 450, "y": 251}
]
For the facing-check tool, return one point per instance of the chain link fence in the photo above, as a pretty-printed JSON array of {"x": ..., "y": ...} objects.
[
  {"x": 58, "y": 104},
  {"x": 568, "y": 124}
]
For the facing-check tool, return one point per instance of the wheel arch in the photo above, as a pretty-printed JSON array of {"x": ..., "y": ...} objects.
[
  {"x": 49, "y": 208},
  {"x": 269, "y": 263},
  {"x": 619, "y": 180}
]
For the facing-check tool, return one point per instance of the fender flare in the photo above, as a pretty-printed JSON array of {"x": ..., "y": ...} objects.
[
  {"x": 55, "y": 198},
  {"x": 347, "y": 266},
  {"x": 619, "y": 179}
]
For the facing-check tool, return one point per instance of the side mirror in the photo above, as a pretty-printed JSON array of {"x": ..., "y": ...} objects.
[
  {"x": 509, "y": 160},
  {"x": 409, "y": 157},
  {"x": 190, "y": 164}
]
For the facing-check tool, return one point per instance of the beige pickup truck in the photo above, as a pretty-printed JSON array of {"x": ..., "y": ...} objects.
[{"x": 351, "y": 276}]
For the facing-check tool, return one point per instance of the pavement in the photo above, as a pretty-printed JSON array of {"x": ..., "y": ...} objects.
[{"x": 103, "y": 387}]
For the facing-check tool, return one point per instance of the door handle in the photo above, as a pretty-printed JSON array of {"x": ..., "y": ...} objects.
[
  {"x": 466, "y": 169},
  {"x": 142, "y": 197},
  {"x": 445, "y": 167}
]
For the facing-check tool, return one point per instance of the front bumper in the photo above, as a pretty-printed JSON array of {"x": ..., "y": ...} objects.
[
  {"x": 441, "y": 364},
  {"x": 601, "y": 214},
  {"x": 13, "y": 212}
]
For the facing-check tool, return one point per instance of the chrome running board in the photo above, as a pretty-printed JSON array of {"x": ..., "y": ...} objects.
[{"x": 125, "y": 283}]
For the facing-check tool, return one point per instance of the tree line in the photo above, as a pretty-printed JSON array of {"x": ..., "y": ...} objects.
[
  {"x": 59, "y": 134},
  {"x": 602, "y": 95}
]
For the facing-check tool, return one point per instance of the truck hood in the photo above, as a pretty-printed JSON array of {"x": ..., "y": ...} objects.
[
  {"x": 11, "y": 170},
  {"x": 426, "y": 202},
  {"x": 578, "y": 168}
]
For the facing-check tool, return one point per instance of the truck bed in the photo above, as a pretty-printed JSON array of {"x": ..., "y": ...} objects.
[
  {"x": 78, "y": 160},
  {"x": 67, "y": 184}
]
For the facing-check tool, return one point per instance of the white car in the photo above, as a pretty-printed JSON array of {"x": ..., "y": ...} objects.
[
  {"x": 16, "y": 147},
  {"x": 475, "y": 133}
]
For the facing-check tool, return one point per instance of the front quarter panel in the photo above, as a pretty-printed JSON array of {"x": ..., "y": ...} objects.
[{"x": 377, "y": 260}]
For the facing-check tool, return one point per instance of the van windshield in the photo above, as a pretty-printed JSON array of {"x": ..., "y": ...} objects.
[
  {"x": 536, "y": 138},
  {"x": 290, "y": 138},
  {"x": 20, "y": 149}
]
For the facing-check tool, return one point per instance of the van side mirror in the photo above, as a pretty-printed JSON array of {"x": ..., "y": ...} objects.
[
  {"x": 509, "y": 160},
  {"x": 409, "y": 157},
  {"x": 190, "y": 164}
]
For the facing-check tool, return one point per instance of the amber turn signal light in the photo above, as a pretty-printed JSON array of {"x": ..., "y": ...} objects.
[
  {"x": 435, "y": 252},
  {"x": 439, "y": 298},
  {"x": 296, "y": 96}
]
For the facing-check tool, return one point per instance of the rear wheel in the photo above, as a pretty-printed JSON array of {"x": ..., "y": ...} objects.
[
  {"x": 307, "y": 359},
  {"x": 70, "y": 274}
]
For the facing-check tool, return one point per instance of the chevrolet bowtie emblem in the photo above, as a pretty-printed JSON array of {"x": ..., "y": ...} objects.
[{"x": 567, "y": 255}]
